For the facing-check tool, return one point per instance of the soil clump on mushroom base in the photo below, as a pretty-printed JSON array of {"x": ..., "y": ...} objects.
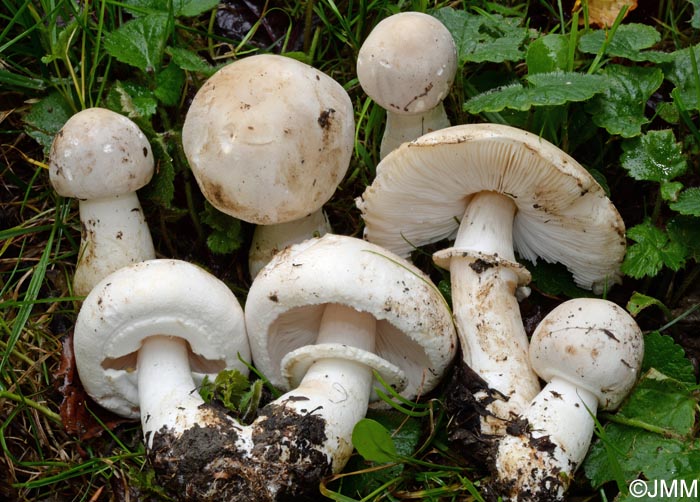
[{"x": 206, "y": 464}]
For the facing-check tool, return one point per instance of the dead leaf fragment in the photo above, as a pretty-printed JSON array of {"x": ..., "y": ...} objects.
[{"x": 603, "y": 13}]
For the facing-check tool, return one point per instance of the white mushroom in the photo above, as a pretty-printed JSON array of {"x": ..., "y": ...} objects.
[
  {"x": 145, "y": 338},
  {"x": 407, "y": 65},
  {"x": 321, "y": 316},
  {"x": 101, "y": 158},
  {"x": 269, "y": 139},
  {"x": 590, "y": 352},
  {"x": 512, "y": 192}
]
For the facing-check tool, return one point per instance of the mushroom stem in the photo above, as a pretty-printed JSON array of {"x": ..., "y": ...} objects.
[
  {"x": 334, "y": 389},
  {"x": 268, "y": 240},
  {"x": 401, "y": 127},
  {"x": 114, "y": 235},
  {"x": 167, "y": 392},
  {"x": 484, "y": 278},
  {"x": 555, "y": 433}
]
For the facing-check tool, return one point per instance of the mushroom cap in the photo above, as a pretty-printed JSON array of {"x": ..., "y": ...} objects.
[
  {"x": 563, "y": 215},
  {"x": 414, "y": 329},
  {"x": 592, "y": 343},
  {"x": 269, "y": 138},
  {"x": 407, "y": 63},
  {"x": 99, "y": 153},
  {"x": 155, "y": 297}
]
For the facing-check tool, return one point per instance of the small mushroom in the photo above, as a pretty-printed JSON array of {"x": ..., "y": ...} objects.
[
  {"x": 501, "y": 190},
  {"x": 269, "y": 139},
  {"x": 321, "y": 316},
  {"x": 590, "y": 352},
  {"x": 407, "y": 65},
  {"x": 101, "y": 158}
]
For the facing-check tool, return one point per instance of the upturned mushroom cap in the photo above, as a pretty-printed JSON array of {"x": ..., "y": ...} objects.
[
  {"x": 407, "y": 63},
  {"x": 563, "y": 215},
  {"x": 269, "y": 138},
  {"x": 156, "y": 297},
  {"x": 591, "y": 343},
  {"x": 414, "y": 329},
  {"x": 99, "y": 153}
]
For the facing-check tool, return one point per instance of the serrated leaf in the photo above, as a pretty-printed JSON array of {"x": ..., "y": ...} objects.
[
  {"x": 686, "y": 230},
  {"x": 548, "y": 53},
  {"x": 670, "y": 190},
  {"x": 662, "y": 353},
  {"x": 229, "y": 387},
  {"x": 140, "y": 42},
  {"x": 688, "y": 202},
  {"x": 661, "y": 403},
  {"x": 169, "y": 84},
  {"x": 641, "y": 452},
  {"x": 651, "y": 252},
  {"x": 546, "y": 89},
  {"x": 620, "y": 107},
  {"x": 654, "y": 156},
  {"x": 189, "y": 61},
  {"x": 161, "y": 189},
  {"x": 481, "y": 38},
  {"x": 373, "y": 441},
  {"x": 45, "y": 119},
  {"x": 629, "y": 42},
  {"x": 226, "y": 231}
]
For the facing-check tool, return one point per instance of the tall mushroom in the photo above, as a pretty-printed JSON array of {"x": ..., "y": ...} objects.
[
  {"x": 590, "y": 352},
  {"x": 321, "y": 316},
  {"x": 269, "y": 139},
  {"x": 101, "y": 158},
  {"x": 407, "y": 65},
  {"x": 501, "y": 190}
]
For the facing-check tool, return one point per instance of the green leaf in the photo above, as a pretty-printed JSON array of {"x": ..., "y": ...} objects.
[
  {"x": 686, "y": 230},
  {"x": 169, "y": 84},
  {"x": 654, "y": 156},
  {"x": 140, "y": 42},
  {"x": 660, "y": 402},
  {"x": 161, "y": 189},
  {"x": 641, "y": 452},
  {"x": 651, "y": 252},
  {"x": 670, "y": 190},
  {"x": 664, "y": 355},
  {"x": 681, "y": 71},
  {"x": 695, "y": 21},
  {"x": 547, "y": 89},
  {"x": 189, "y": 61},
  {"x": 629, "y": 42},
  {"x": 555, "y": 280},
  {"x": 688, "y": 202},
  {"x": 639, "y": 302},
  {"x": 373, "y": 441},
  {"x": 481, "y": 38},
  {"x": 548, "y": 53},
  {"x": 132, "y": 99},
  {"x": 186, "y": 8},
  {"x": 620, "y": 107},
  {"x": 45, "y": 119},
  {"x": 229, "y": 387},
  {"x": 226, "y": 231}
]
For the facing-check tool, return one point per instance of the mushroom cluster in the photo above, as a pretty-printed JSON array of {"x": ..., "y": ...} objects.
[{"x": 327, "y": 317}]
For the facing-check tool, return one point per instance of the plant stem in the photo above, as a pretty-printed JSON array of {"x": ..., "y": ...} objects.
[{"x": 52, "y": 415}]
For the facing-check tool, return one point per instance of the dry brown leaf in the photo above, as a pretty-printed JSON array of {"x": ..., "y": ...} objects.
[{"x": 604, "y": 12}]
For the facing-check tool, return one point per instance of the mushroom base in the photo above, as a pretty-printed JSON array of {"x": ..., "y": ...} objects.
[{"x": 208, "y": 463}]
